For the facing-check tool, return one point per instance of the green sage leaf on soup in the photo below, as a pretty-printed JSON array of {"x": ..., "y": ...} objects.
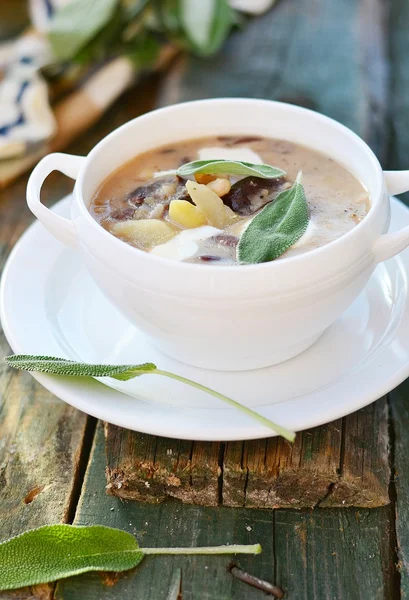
[
  {"x": 229, "y": 167},
  {"x": 76, "y": 23},
  {"x": 62, "y": 366},
  {"x": 206, "y": 24},
  {"x": 276, "y": 228}
]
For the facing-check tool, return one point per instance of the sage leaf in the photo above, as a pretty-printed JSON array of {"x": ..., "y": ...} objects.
[
  {"x": 55, "y": 552},
  {"x": 63, "y": 366},
  {"x": 58, "y": 551},
  {"x": 225, "y": 167},
  {"x": 206, "y": 23},
  {"x": 76, "y": 23},
  {"x": 276, "y": 228}
]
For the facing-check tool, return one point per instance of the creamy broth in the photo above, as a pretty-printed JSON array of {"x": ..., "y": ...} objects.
[{"x": 337, "y": 200}]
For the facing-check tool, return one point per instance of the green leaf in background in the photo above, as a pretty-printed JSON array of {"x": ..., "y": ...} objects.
[
  {"x": 144, "y": 50},
  {"x": 277, "y": 227},
  {"x": 206, "y": 23},
  {"x": 227, "y": 167},
  {"x": 62, "y": 366},
  {"x": 76, "y": 23},
  {"x": 106, "y": 43},
  {"x": 58, "y": 551},
  {"x": 167, "y": 15},
  {"x": 134, "y": 8},
  {"x": 224, "y": 20}
]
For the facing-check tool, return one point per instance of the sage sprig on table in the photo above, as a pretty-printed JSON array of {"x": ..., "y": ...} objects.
[
  {"x": 62, "y": 366},
  {"x": 58, "y": 551},
  {"x": 224, "y": 167},
  {"x": 277, "y": 227}
]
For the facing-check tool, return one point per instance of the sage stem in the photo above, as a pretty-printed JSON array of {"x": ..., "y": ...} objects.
[
  {"x": 232, "y": 549},
  {"x": 286, "y": 433}
]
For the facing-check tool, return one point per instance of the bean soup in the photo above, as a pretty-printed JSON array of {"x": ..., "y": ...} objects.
[{"x": 200, "y": 218}]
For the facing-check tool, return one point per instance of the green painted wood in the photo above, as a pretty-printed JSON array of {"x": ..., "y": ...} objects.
[
  {"x": 399, "y": 407},
  {"x": 170, "y": 523},
  {"x": 329, "y": 56},
  {"x": 340, "y": 554},
  {"x": 324, "y": 554},
  {"x": 41, "y": 437},
  {"x": 398, "y": 156}
]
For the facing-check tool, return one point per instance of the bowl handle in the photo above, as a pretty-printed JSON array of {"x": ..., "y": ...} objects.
[
  {"x": 63, "y": 229},
  {"x": 390, "y": 244}
]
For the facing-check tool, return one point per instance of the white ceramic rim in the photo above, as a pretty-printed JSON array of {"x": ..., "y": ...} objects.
[{"x": 281, "y": 264}]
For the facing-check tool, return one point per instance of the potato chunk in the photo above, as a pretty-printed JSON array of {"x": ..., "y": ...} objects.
[
  {"x": 221, "y": 186},
  {"x": 208, "y": 202},
  {"x": 231, "y": 216},
  {"x": 186, "y": 215},
  {"x": 144, "y": 233}
]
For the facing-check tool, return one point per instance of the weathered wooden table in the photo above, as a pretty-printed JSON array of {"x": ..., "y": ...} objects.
[{"x": 347, "y": 59}]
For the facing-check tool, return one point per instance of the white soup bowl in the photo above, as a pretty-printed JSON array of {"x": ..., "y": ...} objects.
[{"x": 227, "y": 317}]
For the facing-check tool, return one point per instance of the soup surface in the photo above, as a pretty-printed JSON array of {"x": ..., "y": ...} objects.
[{"x": 135, "y": 204}]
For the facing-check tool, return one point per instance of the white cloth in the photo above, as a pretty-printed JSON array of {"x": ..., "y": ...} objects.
[
  {"x": 26, "y": 118},
  {"x": 41, "y": 12}
]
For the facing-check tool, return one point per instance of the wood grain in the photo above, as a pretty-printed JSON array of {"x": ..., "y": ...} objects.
[
  {"x": 322, "y": 554},
  {"x": 364, "y": 472},
  {"x": 399, "y": 407},
  {"x": 273, "y": 473},
  {"x": 41, "y": 437},
  {"x": 149, "y": 468},
  {"x": 342, "y": 554},
  {"x": 328, "y": 56},
  {"x": 398, "y": 156},
  {"x": 339, "y": 464}
]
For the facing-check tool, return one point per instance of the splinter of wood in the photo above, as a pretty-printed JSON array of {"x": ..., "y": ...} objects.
[{"x": 260, "y": 584}]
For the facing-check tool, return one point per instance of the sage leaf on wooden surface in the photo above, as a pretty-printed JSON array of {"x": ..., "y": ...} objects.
[
  {"x": 55, "y": 552},
  {"x": 225, "y": 167},
  {"x": 276, "y": 228},
  {"x": 62, "y": 366},
  {"x": 206, "y": 24},
  {"x": 76, "y": 23}
]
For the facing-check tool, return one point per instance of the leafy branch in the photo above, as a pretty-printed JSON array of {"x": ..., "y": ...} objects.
[{"x": 86, "y": 31}]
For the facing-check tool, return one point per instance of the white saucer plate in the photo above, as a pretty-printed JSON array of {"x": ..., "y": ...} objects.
[{"x": 49, "y": 305}]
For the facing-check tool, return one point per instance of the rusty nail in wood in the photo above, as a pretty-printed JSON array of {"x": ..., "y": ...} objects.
[{"x": 260, "y": 584}]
